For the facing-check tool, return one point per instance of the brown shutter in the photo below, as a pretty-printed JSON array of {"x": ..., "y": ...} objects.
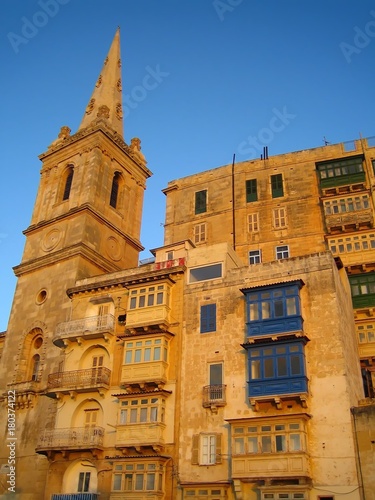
[
  {"x": 195, "y": 450},
  {"x": 218, "y": 448}
]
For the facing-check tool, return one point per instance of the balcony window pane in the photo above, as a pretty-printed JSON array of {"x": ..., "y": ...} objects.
[
  {"x": 133, "y": 416},
  {"x": 252, "y": 445},
  {"x": 280, "y": 442},
  {"x": 254, "y": 312},
  {"x": 128, "y": 482},
  {"x": 239, "y": 446},
  {"x": 150, "y": 300},
  {"x": 159, "y": 298},
  {"x": 133, "y": 303},
  {"x": 268, "y": 368},
  {"x": 138, "y": 482},
  {"x": 137, "y": 356},
  {"x": 266, "y": 444},
  {"x": 147, "y": 354},
  {"x": 279, "y": 310},
  {"x": 266, "y": 310},
  {"x": 123, "y": 416},
  {"x": 117, "y": 482},
  {"x": 143, "y": 415},
  {"x": 291, "y": 306},
  {"x": 128, "y": 357},
  {"x": 156, "y": 353},
  {"x": 295, "y": 442},
  {"x": 150, "y": 482},
  {"x": 154, "y": 414},
  {"x": 281, "y": 366},
  {"x": 295, "y": 363},
  {"x": 255, "y": 369}
]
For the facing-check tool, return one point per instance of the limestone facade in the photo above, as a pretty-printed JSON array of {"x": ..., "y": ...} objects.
[{"x": 231, "y": 365}]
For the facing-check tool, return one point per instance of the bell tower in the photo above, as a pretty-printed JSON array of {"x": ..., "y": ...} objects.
[{"x": 86, "y": 222}]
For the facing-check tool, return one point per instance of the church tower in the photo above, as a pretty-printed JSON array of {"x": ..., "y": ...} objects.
[{"x": 86, "y": 222}]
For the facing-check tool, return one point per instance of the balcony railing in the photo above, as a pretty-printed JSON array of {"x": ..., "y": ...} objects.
[
  {"x": 75, "y": 496},
  {"x": 74, "y": 438},
  {"x": 93, "y": 327},
  {"x": 214, "y": 395},
  {"x": 90, "y": 378}
]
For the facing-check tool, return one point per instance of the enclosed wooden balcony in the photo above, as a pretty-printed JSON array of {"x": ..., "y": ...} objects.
[
  {"x": 140, "y": 434},
  {"x": 78, "y": 330},
  {"x": 141, "y": 373},
  {"x": 157, "y": 315},
  {"x": 263, "y": 466},
  {"x": 72, "y": 438},
  {"x": 359, "y": 219},
  {"x": 91, "y": 379}
]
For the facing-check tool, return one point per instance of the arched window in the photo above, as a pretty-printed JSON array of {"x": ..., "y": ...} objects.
[
  {"x": 68, "y": 183},
  {"x": 114, "y": 198},
  {"x": 35, "y": 367}
]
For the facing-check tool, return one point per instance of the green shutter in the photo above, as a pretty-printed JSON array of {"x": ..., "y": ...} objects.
[
  {"x": 251, "y": 190},
  {"x": 218, "y": 449},
  {"x": 200, "y": 202},
  {"x": 277, "y": 186}
]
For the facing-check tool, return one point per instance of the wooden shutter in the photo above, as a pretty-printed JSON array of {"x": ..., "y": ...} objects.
[
  {"x": 218, "y": 449},
  {"x": 195, "y": 450}
]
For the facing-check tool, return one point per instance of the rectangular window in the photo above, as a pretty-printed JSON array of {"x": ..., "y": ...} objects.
[
  {"x": 83, "y": 482},
  {"x": 146, "y": 350},
  {"x": 273, "y": 438},
  {"x": 145, "y": 410},
  {"x": 201, "y": 202},
  {"x": 253, "y": 223},
  {"x": 206, "y": 449},
  {"x": 363, "y": 289},
  {"x": 251, "y": 190},
  {"x": 149, "y": 296},
  {"x": 282, "y": 252},
  {"x": 200, "y": 233},
  {"x": 205, "y": 273},
  {"x": 277, "y": 186},
  {"x": 255, "y": 257},
  {"x": 279, "y": 218},
  {"x": 138, "y": 477},
  {"x": 208, "y": 318}
]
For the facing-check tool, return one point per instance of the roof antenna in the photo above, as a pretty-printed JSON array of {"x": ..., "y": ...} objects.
[{"x": 325, "y": 141}]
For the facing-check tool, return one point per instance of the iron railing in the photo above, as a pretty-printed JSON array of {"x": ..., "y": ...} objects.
[
  {"x": 73, "y": 437},
  {"x": 86, "y": 326},
  {"x": 80, "y": 379},
  {"x": 214, "y": 395}
]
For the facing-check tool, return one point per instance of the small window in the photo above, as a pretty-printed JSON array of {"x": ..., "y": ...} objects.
[
  {"x": 206, "y": 449},
  {"x": 113, "y": 201},
  {"x": 68, "y": 183},
  {"x": 35, "y": 367},
  {"x": 255, "y": 257},
  {"x": 279, "y": 218},
  {"x": 253, "y": 223},
  {"x": 200, "y": 233},
  {"x": 201, "y": 202},
  {"x": 251, "y": 190},
  {"x": 373, "y": 166},
  {"x": 208, "y": 318},
  {"x": 83, "y": 482},
  {"x": 277, "y": 185},
  {"x": 282, "y": 252}
]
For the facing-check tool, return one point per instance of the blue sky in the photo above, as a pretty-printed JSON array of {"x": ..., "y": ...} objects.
[{"x": 232, "y": 76}]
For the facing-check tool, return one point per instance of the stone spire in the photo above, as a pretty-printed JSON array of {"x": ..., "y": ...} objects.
[{"x": 106, "y": 100}]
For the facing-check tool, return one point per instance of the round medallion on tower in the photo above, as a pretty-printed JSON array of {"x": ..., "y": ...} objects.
[
  {"x": 113, "y": 248},
  {"x": 51, "y": 239}
]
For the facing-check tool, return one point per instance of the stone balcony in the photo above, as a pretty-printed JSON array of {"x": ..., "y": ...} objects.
[
  {"x": 77, "y": 381},
  {"x": 93, "y": 327},
  {"x": 214, "y": 396},
  {"x": 72, "y": 438},
  {"x": 75, "y": 496}
]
